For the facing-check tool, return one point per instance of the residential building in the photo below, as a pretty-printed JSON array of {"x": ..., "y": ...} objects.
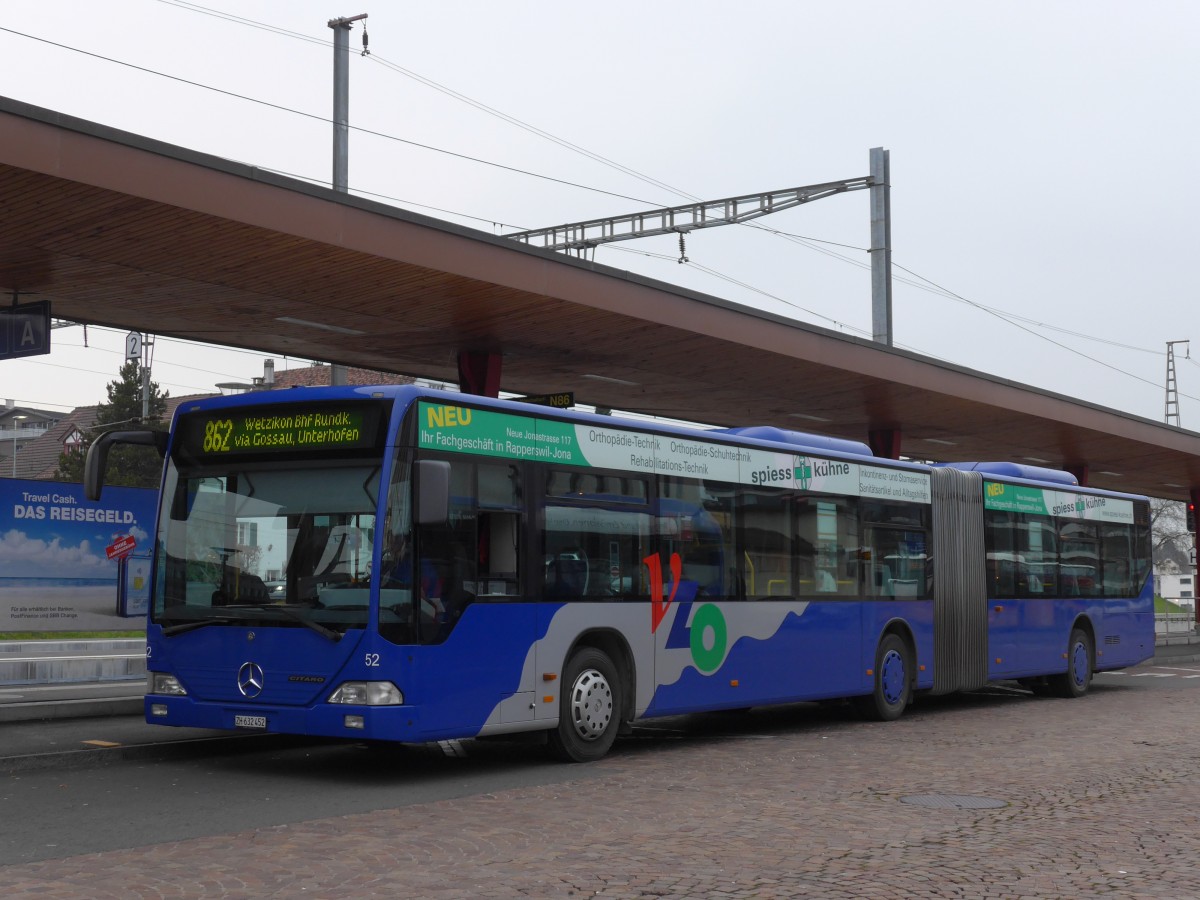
[{"x": 39, "y": 436}]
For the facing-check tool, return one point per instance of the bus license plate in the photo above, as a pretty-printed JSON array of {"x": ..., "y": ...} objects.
[{"x": 249, "y": 721}]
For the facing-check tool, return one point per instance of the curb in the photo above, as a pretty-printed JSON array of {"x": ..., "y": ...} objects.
[{"x": 71, "y": 709}]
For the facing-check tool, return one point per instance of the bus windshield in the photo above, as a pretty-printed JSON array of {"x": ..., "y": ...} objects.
[{"x": 287, "y": 546}]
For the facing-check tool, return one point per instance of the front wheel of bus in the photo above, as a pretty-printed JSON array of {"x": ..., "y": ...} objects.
[
  {"x": 1078, "y": 677},
  {"x": 589, "y": 708},
  {"x": 893, "y": 681}
]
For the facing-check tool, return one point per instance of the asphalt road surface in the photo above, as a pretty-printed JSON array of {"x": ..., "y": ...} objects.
[{"x": 991, "y": 794}]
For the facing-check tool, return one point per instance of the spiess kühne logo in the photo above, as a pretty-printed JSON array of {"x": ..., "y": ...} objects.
[
  {"x": 803, "y": 473},
  {"x": 806, "y": 469}
]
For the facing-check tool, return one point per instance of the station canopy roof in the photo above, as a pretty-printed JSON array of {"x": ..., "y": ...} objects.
[{"x": 119, "y": 230}]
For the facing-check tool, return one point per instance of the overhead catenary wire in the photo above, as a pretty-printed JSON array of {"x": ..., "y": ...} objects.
[
  {"x": 924, "y": 284},
  {"x": 804, "y": 241},
  {"x": 449, "y": 92},
  {"x": 1043, "y": 337},
  {"x": 161, "y": 363},
  {"x": 932, "y": 287},
  {"x": 325, "y": 119}
]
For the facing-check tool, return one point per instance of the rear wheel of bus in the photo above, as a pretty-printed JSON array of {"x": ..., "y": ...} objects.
[
  {"x": 1078, "y": 677},
  {"x": 589, "y": 707},
  {"x": 893, "y": 681}
]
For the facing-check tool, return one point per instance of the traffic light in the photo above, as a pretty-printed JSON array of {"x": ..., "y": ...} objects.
[{"x": 1191, "y": 517}]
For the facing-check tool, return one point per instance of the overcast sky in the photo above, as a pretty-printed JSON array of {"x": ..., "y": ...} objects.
[{"x": 1043, "y": 201}]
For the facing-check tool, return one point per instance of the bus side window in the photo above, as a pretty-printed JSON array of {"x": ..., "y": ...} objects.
[
  {"x": 1002, "y": 554},
  {"x": 497, "y": 554},
  {"x": 827, "y": 541},
  {"x": 1117, "y": 555},
  {"x": 882, "y": 584},
  {"x": 567, "y": 574},
  {"x": 497, "y": 549},
  {"x": 474, "y": 555},
  {"x": 767, "y": 543},
  {"x": 1080, "y": 558},
  {"x": 593, "y": 552}
]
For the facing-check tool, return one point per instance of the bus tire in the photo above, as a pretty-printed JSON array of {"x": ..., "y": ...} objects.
[
  {"x": 589, "y": 709},
  {"x": 893, "y": 681},
  {"x": 1078, "y": 677}
]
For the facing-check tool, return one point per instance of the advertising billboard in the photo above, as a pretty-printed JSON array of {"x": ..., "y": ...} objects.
[{"x": 62, "y": 556}]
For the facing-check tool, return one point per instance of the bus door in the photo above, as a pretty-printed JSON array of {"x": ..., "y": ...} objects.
[
  {"x": 1023, "y": 583},
  {"x": 470, "y": 614},
  {"x": 595, "y": 536}
]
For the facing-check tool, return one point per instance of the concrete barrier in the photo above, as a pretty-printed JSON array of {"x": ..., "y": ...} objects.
[
  {"x": 1173, "y": 623},
  {"x": 68, "y": 662}
]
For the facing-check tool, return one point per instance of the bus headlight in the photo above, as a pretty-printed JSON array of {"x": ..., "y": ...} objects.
[
  {"x": 367, "y": 693},
  {"x": 162, "y": 683}
]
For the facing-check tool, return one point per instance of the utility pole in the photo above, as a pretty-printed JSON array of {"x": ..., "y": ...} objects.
[
  {"x": 341, "y": 125},
  {"x": 881, "y": 246},
  {"x": 341, "y": 100},
  {"x": 147, "y": 362},
  {"x": 1171, "y": 404}
]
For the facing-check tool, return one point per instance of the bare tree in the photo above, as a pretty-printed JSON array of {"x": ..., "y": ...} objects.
[{"x": 1171, "y": 542}]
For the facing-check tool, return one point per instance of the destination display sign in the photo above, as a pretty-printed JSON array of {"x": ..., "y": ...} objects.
[
  {"x": 561, "y": 400},
  {"x": 285, "y": 428},
  {"x": 467, "y": 430}
]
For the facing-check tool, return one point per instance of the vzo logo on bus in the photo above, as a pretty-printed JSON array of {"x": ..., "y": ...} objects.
[{"x": 707, "y": 636}]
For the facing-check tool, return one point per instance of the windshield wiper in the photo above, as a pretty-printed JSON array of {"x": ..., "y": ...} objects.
[
  {"x": 320, "y": 629},
  {"x": 191, "y": 626}
]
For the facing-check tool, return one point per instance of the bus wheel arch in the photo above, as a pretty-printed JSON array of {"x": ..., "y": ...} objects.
[
  {"x": 595, "y": 697},
  {"x": 894, "y": 675}
]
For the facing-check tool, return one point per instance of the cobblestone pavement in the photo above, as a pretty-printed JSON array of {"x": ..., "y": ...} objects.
[{"x": 1090, "y": 798}]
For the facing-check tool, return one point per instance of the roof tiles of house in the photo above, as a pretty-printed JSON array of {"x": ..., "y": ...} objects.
[
  {"x": 318, "y": 376},
  {"x": 27, "y": 415},
  {"x": 38, "y": 460}
]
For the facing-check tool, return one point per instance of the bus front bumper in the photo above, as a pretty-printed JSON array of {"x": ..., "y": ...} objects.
[{"x": 387, "y": 723}]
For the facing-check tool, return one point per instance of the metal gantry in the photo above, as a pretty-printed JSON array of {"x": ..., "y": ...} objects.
[
  {"x": 581, "y": 236},
  {"x": 681, "y": 219}
]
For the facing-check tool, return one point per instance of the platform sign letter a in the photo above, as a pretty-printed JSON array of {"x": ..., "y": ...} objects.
[{"x": 25, "y": 329}]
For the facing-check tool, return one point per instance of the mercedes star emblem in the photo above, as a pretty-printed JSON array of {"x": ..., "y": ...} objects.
[{"x": 250, "y": 680}]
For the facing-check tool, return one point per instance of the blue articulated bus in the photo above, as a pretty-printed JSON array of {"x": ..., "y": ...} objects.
[{"x": 399, "y": 564}]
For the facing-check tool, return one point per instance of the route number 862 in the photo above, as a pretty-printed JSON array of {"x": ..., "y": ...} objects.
[{"x": 216, "y": 435}]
